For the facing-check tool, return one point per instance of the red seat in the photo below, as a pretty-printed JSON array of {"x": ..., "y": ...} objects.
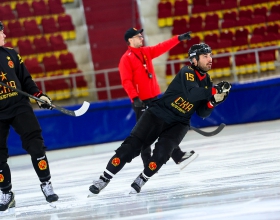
[
  {"x": 23, "y": 10},
  {"x": 275, "y": 9},
  {"x": 226, "y": 35},
  {"x": 57, "y": 44},
  {"x": 42, "y": 47},
  {"x": 49, "y": 26},
  {"x": 178, "y": 51},
  {"x": 52, "y": 66},
  {"x": 6, "y": 13},
  {"x": 231, "y": 5},
  {"x": 16, "y": 31},
  {"x": 164, "y": 14},
  {"x": 179, "y": 26},
  {"x": 34, "y": 68},
  {"x": 181, "y": 8},
  {"x": 260, "y": 11},
  {"x": 66, "y": 27},
  {"x": 245, "y": 13},
  {"x": 56, "y": 7},
  {"x": 40, "y": 8},
  {"x": 256, "y": 41},
  {"x": 228, "y": 24},
  {"x": 196, "y": 24},
  {"x": 31, "y": 28},
  {"x": 115, "y": 80},
  {"x": 210, "y": 38},
  {"x": 273, "y": 28},
  {"x": 242, "y": 33},
  {"x": 230, "y": 15},
  {"x": 26, "y": 48},
  {"x": 67, "y": 63},
  {"x": 261, "y": 30},
  {"x": 211, "y": 22}
]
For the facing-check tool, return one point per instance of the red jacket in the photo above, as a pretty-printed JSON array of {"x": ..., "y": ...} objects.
[{"x": 134, "y": 76}]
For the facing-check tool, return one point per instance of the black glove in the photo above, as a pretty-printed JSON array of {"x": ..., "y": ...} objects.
[
  {"x": 222, "y": 86},
  {"x": 185, "y": 36},
  {"x": 45, "y": 98},
  {"x": 218, "y": 98},
  {"x": 138, "y": 103}
]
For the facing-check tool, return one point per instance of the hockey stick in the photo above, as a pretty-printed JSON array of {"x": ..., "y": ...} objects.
[
  {"x": 82, "y": 110},
  {"x": 211, "y": 133}
]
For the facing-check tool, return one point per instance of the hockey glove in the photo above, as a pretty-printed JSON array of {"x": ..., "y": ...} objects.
[
  {"x": 222, "y": 87},
  {"x": 138, "y": 103},
  {"x": 218, "y": 99},
  {"x": 45, "y": 98},
  {"x": 186, "y": 36}
]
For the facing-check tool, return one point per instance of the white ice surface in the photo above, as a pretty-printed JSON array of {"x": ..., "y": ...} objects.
[{"x": 236, "y": 176}]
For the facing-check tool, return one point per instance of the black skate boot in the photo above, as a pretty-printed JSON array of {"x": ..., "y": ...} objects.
[
  {"x": 48, "y": 192},
  {"x": 7, "y": 201},
  {"x": 138, "y": 183},
  {"x": 98, "y": 185},
  {"x": 187, "y": 159}
]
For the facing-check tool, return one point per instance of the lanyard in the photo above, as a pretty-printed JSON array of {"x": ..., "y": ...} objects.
[{"x": 144, "y": 64}]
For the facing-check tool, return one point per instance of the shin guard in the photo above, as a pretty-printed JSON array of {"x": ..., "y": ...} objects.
[{"x": 41, "y": 166}]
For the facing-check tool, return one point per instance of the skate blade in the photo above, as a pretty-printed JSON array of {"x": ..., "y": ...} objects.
[
  {"x": 11, "y": 212},
  {"x": 188, "y": 161},
  {"x": 53, "y": 204},
  {"x": 133, "y": 192}
]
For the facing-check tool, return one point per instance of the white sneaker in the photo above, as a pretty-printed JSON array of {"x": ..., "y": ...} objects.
[{"x": 187, "y": 159}]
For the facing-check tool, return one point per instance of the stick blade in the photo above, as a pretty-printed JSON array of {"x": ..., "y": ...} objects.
[
  {"x": 83, "y": 109},
  {"x": 211, "y": 133}
]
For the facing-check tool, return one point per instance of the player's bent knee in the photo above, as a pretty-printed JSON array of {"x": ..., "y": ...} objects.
[
  {"x": 163, "y": 152},
  {"x": 126, "y": 152}
]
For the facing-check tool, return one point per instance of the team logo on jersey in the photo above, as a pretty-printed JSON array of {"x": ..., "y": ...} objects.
[
  {"x": 116, "y": 161},
  {"x": 1, "y": 178},
  {"x": 152, "y": 166},
  {"x": 11, "y": 64},
  {"x": 42, "y": 165}
]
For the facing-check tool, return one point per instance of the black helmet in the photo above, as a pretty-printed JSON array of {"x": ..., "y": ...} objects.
[
  {"x": 1, "y": 26},
  {"x": 198, "y": 49}
]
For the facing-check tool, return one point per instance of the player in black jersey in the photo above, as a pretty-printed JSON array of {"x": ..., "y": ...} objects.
[
  {"x": 168, "y": 119},
  {"x": 16, "y": 111}
]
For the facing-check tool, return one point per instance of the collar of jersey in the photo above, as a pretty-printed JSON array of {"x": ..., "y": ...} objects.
[{"x": 201, "y": 77}]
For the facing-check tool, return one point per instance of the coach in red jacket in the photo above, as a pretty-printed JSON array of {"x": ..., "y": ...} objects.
[{"x": 139, "y": 79}]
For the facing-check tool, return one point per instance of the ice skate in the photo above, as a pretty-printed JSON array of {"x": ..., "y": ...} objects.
[
  {"x": 48, "y": 192},
  {"x": 98, "y": 185},
  {"x": 137, "y": 184},
  {"x": 187, "y": 159},
  {"x": 7, "y": 204}
]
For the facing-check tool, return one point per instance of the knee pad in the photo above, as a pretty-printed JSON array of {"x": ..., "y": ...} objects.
[{"x": 129, "y": 149}]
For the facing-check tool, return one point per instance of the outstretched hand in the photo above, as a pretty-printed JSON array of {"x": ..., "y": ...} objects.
[{"x": 185, "y": 36}]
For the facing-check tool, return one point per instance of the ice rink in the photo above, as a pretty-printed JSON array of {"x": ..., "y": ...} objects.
[{"x": 236, "y": 176}]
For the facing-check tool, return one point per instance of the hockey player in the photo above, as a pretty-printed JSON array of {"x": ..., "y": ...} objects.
[
  {"x": 140, "y": 82},
  {"x": 168, "y": 119},
  {"x": 16, "y": 111}
]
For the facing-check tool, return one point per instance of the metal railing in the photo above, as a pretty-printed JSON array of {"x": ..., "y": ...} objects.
[{"x": 93, "y": 90}]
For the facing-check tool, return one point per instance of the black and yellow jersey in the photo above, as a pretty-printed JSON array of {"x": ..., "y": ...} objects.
[
  {"x": 189, "y": 92},
  {"x": 14, "y": 73}
]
